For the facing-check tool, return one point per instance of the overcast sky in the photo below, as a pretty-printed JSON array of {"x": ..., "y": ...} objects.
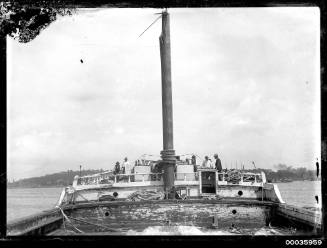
[{"x": 245, "y": 81}]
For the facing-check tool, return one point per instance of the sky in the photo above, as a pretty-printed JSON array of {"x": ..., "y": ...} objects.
[{"x": 245, "y": 85}]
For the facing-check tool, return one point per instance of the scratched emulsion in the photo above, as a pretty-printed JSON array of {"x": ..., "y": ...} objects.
[
  {"x": 138, "y": 220},
  {"x": 192, "y": 230}
]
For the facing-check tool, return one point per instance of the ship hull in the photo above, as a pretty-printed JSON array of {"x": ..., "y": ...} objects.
[{"x": 245, "y": 216}]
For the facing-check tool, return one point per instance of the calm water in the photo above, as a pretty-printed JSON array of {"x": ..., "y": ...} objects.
[
  {"x": 27, "y": 201},
  {"x": 24, "y": 202},
  {"x": 301, "y": 193}
]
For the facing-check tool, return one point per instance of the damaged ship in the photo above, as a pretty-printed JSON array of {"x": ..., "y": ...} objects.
[{"x": 178, "y": 197}]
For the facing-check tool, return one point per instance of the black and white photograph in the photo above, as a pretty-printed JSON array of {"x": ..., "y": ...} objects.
[{"x": 163, "y": 121}]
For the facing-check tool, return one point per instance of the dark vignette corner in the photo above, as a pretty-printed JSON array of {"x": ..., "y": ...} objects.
[
  {"x": 160, "y": 4},
  {"x": 323, "y": 109},
  {"x": 3, "y": 128}
]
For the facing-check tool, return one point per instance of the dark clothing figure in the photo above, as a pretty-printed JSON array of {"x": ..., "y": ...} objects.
[
  {"x": 218, "y": 165},
  {"x": 219, "y": 169},
  {"x": 193, "y": 160},
  {"x": 117, "y": 168},
  {"x": 317, "y": 165},
  {"x": 195, "y": 168}
]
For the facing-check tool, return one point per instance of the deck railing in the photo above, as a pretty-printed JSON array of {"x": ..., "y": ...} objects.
[
  {"x": 243, "y": 177},
  {"x": 110, "y": 178},
  {"x": 94, "y": 179}
]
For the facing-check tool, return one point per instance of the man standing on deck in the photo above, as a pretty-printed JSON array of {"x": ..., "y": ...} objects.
[
  {"x": 193, "y": 161},
  {"x": 127, "y": 166},
  {"x": 206, "y": 163},
  {"x": 218, "y": 165},
  {"x": 117, "y": 168}
]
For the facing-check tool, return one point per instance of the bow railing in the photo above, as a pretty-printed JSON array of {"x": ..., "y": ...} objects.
[
  {"x": 110, "y": 178},
  {"x": 236, "y": 177},
  {"x": 229, "y": 177}
]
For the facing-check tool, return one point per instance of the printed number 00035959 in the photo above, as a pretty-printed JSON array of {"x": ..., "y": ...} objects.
[{"x": 303, "y": 242}]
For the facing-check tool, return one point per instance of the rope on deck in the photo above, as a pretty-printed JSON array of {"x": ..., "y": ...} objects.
[
  {"x": 99, "y": 225},
  {"x": 145, "y": 195},
  {"x": 68, "y": 221}
]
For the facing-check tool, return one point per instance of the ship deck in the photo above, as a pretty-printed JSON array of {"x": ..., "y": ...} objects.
[{"x": 222, "y": 216}]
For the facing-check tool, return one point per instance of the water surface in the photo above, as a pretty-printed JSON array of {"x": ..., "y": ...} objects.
[
  {"x": 301, "y": 193},
  {"x": 22, "y": 202}
]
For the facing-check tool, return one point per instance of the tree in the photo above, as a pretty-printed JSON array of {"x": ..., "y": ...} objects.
[{"x": 25, "y": 21}]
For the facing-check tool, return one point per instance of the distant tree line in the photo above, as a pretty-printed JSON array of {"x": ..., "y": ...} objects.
[
  {"x": 284, "y": 173},
  {"x": 63, "y": 178}
]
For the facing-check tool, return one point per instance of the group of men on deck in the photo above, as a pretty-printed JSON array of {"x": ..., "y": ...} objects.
[
  {"x": 209, "y": 164},
  {"x": 126, "y": 167}
]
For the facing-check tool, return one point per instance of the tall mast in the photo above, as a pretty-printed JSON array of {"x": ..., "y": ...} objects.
[{"x": 168, "y": 152}]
